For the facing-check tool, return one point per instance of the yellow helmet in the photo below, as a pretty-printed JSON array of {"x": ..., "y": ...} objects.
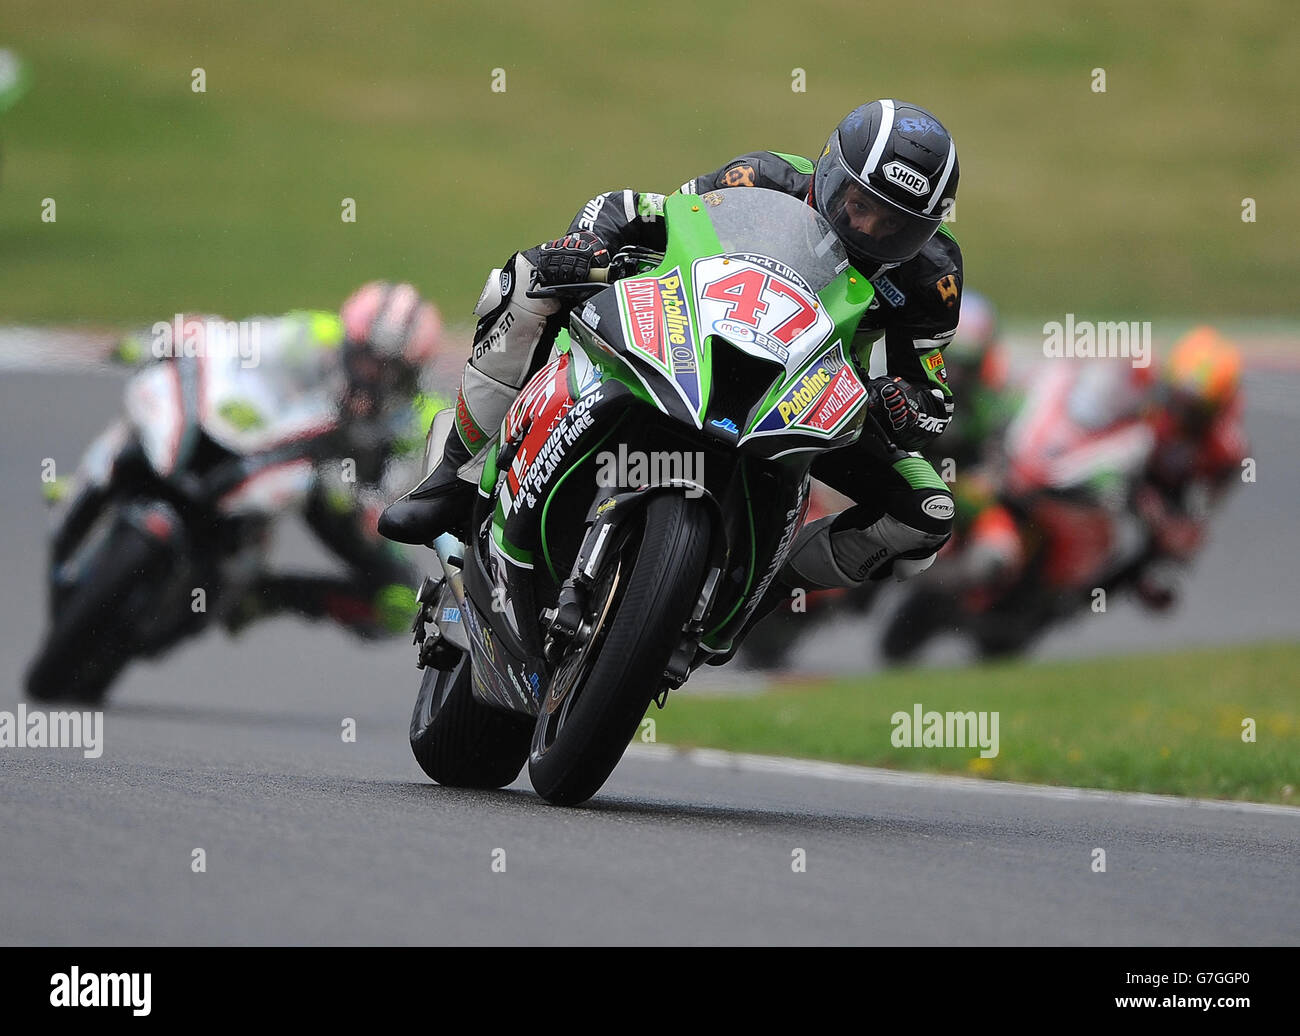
[{"x": 1203, "y": 373}]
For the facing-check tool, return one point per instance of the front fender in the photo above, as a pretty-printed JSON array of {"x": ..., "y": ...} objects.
[{"x": 609, "y": 512}]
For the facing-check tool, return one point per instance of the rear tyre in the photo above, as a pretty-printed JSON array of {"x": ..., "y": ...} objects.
[
  {"x": 460, "y": 742},
  {"x": 642, "y": 597},
  {"x": 89, "y": 642}
]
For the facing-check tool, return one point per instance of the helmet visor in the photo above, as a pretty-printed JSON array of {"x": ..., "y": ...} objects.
[{"x": 868, "y": 223}]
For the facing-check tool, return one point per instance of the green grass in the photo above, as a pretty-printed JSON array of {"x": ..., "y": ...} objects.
[
  {"x": 1117, "y": 205},
  {"x": 1169, "y": 723}
]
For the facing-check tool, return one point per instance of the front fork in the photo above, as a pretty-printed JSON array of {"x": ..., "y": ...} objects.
[
  {"x": 439, "y": 630},
  {"x": 563, "y": 623}
]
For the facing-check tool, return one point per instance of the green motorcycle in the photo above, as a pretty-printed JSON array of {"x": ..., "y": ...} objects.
[{"x": 641, "y": 494}]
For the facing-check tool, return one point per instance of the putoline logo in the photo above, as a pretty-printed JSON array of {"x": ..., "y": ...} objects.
[{"x": 908, "y": 179}]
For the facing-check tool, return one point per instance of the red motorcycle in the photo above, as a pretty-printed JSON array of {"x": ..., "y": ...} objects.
[{"x": 1056, "y": 520}]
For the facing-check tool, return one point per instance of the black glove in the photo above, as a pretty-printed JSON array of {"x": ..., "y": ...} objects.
[
  {"x": 570, "y": 259},
  {"x": 893, "y": 404}
]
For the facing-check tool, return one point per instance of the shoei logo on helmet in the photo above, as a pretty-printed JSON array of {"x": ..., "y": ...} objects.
[{"x": 908, "y": 179}]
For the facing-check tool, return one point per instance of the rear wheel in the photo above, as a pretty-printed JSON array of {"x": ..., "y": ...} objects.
[
  {"x": 459, "y": 741},
  {"x": 90, "y": 637},
  {"x": 640, "y": 599}
]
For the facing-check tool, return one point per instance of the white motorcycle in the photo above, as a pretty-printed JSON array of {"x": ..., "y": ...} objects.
[{"x": 166, "y": 521}]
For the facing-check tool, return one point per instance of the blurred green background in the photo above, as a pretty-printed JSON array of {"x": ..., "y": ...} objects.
[{"x": 1123, "y": 204}]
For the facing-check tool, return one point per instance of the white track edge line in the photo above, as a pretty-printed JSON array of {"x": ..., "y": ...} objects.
[{"x": 747, "y": 762}]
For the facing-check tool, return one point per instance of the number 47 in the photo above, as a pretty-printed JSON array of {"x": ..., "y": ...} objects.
[{"x": 743, "y": 292}]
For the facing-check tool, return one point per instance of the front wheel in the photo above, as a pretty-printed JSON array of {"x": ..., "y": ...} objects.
[
  {"x": 90, "y": 639},
  {"x": 640, "y": 599}
]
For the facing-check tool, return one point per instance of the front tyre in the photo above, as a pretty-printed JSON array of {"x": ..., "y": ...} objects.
[
  {"x": 90, "y": 638},
  {"x": 459, "y": 741},
  {"x": 641, "y": 598}
]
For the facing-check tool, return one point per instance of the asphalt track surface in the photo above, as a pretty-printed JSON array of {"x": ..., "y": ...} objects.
[{"x": 235, "y": 748}]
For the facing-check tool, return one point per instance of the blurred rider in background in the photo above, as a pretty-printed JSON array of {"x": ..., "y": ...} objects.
[
  {"x": 1200, "y": 445},
  {"x": 1191, "y": 404},
  {"x": 343, "y": 388}
]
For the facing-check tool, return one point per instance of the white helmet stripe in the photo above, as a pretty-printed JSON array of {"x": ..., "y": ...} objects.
[
  {"x": 882, "y": 136},
  {"x": 943, "y": 180}
]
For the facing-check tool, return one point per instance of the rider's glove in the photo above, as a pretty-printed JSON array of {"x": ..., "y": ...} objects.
[
  {"x": 894, "y": 405},
  {"x": 570, "y": 259}
]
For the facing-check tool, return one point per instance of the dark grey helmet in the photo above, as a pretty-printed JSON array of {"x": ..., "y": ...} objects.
[{"x": 884, "y": 181}]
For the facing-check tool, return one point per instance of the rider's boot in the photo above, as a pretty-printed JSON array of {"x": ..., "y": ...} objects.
[{"x": 440, "y": 503}]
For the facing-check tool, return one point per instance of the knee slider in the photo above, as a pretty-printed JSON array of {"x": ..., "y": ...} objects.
[
  {"x": 906, "y": 568},
  {"x": 869, "y": 550},
  {"x": 929, "y": 510}
]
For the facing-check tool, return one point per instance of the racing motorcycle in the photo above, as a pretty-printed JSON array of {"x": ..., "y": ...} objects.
[
  {"x": 641, "y": 494},
  {"x": 165, "y": 523},
  {"x": 1064, "y": 511}
]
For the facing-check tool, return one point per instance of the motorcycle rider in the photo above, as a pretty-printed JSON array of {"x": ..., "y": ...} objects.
[
  {"x": 1197, "y": 457},
  {"x": 885, "y": 180},
  {"x": 359, "y": 368},
  {"x": 1192, "y": 404}
]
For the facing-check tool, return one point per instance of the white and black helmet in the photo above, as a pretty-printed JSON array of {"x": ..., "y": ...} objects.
[{"x": 885, "y": 181}]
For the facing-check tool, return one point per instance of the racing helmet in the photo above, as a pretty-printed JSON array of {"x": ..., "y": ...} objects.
[
  {"x": 1201, "y": 378},
  {"x": 884, "y": 182},
  {"x": 390, "y": 333}
]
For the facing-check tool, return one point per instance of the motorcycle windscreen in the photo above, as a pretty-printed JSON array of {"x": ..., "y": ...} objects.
[
  {"x": 778, "y": 227},
  {"x": 762, "y": 297},
  {"x": 761, "y": 294}
]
